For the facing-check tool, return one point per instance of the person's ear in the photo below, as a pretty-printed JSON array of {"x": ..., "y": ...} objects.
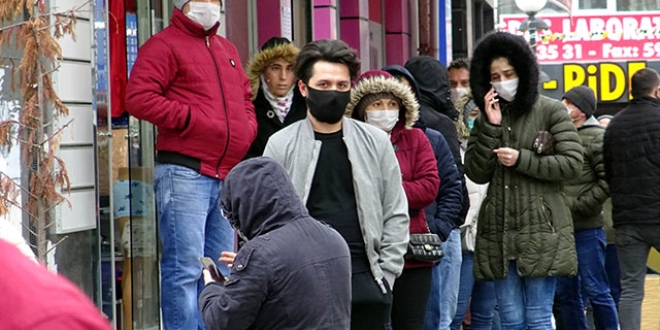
[{"x": 303, "y": 88}]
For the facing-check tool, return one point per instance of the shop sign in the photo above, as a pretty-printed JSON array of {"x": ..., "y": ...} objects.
[
  {"x": 610, "y": 80},
  {"x": 628, "y": 37},
  {"x": 602, "y": 52}
]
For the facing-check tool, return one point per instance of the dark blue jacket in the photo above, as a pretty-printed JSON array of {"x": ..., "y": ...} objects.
[
  {"x": 443, "y": 214},
  {"x": 449, "y": 201},
  {"x": 293, "y": 272}
]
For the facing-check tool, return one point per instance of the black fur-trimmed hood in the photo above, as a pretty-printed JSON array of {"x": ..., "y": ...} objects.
[{"x": 520, "y": 56}]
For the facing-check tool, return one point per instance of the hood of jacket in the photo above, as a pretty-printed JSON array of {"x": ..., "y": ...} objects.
[
  {"x": 255, "y": 68},
  {"x": 397, "y": 70},
  {"x": 591, "y": 122},
  {"x": 258, "y": 197},
  {"x": 379, "y": 84},
  {"x": 516, "y": 50},
  {"x": 433, "y": 83}
]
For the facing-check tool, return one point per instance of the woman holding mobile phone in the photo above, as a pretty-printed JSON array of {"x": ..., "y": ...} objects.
[{"x": 525, "y": 232}]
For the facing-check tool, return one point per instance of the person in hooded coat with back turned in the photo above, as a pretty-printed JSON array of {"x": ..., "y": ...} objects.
[
  {"x": 438, "y": 112},
  {"x": 291, "y": 271},
  {"x": 525, "y": 232},
  {"x": 277, "y": 100}
]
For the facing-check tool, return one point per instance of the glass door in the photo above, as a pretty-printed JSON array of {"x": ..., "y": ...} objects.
[{"x": 129, "y": 292}]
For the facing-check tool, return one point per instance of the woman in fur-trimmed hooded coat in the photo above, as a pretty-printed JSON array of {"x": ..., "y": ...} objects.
[
  {"x": 273, "y": 112},
  {"x": 525, "y": 232},
  {"x": 372, "y": 93}
]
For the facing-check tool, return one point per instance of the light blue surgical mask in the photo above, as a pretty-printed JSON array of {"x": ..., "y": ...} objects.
[{"x": 470, "y": 123}]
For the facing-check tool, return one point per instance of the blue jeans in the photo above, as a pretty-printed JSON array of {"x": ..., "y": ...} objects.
[
  {"x": 443, "y": 297},
  {"x": 613, "y": 272},
  {"x": 525, "y": 302},
  {"x": 191, "y": 226},
  {"x": 482, "y": 307},
  {"x": 592, "y": 281}
]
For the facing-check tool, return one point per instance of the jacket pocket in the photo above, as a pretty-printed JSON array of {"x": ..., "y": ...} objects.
[
  {"x": 191, "y": 125},
  {"x": 546, "y": 214}
]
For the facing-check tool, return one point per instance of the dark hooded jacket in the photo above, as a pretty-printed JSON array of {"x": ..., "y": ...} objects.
[
  {"x": 267, "y": 121},
  {"x": 293, "y": 272},
  {"x": 439, "y": 113},
  {"x": 632, "y": 163},
  {"x": 524, "y": 216},
  {"x": 441, "y": 215}
]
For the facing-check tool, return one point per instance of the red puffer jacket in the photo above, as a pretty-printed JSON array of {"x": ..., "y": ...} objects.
[
  {"x": 420, "y": 177},
  {"x": 185, "y": 71}
]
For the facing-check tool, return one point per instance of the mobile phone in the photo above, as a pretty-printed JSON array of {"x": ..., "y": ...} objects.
[{"x": 212, "y": 268}]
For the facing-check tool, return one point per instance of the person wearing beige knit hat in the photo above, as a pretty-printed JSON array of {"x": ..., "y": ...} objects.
[{"x": 189, "y": 82}]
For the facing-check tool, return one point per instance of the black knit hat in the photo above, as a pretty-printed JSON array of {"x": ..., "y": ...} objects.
[
  {"x": 584, "y": 99},
  {"x": 274, "y": 42}
]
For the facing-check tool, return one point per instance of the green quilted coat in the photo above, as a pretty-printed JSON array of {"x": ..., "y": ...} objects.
[{"x": 524, "y": 217}]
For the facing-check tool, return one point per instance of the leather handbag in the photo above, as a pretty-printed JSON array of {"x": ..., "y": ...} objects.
[
  {"x": 544, "y": 143},
  {"x": 424, "y": 247}
]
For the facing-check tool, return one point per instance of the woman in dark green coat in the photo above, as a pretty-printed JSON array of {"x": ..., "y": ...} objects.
[{"x": 525, "y": 231}]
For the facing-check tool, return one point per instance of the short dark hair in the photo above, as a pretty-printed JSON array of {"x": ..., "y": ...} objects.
[
  {"x": 459, "y": 63},
  {"x": 332, "y": 51},
  {"x": 644, "y": 82}
]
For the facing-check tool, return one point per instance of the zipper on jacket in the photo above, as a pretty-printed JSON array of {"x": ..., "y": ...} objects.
[
  {"x": 224, "y": 103},
  {"x": 379, "y": 280}
]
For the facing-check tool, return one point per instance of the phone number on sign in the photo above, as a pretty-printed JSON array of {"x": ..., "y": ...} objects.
[{"x": 567, "y": 52}]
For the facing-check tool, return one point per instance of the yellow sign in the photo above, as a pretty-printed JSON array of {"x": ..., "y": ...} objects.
[{"x": 610, "y": 81}]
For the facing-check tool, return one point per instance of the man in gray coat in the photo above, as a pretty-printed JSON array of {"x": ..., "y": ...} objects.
[{"x": 348, "y": 176}]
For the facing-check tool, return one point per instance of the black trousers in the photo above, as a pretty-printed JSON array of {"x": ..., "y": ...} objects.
[
  {"x": 370, "y": 307},
  {"x": 411, "y": 293}
]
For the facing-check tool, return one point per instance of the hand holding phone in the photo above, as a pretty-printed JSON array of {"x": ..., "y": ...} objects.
[
  {"x": 491, "y": 102},
  {"x": 210, "y": 266}
]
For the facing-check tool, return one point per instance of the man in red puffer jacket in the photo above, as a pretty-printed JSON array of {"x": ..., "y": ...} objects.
[{"x": 189, "y": 82}]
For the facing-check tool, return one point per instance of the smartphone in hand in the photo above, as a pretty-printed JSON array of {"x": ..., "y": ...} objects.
[{"x": 212, "y": 268}]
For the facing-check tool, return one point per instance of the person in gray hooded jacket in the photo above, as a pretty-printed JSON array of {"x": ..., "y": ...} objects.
[{"x": 291, "y": 271}]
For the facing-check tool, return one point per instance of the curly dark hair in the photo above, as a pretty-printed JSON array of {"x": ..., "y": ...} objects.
[
  {"x": 332, "y": 51},
  {"x": 459, "y": 63}
]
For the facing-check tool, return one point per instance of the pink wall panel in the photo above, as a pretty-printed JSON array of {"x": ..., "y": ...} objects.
[
  {"x": 268, "y": 23},
  {"x": 376, "y": 10},
  {"x": 325, "y": 23},
  {"x": 398, "y": 49}
]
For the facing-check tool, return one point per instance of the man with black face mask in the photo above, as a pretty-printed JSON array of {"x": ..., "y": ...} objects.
[{"x": 347, "y": 175}]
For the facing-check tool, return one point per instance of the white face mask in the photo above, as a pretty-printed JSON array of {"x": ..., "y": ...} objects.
[
  {"x": 383, "y": 119},
  {"x": 456, "y": 93},
  {"x": 204, "y": 13},
  {"x": 506, "y": 89},
  {"x": 569, "y": 110}
]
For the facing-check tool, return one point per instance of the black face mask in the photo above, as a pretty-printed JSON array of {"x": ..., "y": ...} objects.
[{"x": 327, "y": 106}]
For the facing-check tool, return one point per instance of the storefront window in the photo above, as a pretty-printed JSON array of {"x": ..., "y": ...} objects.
[
  {"x": 593, "y": 4},
  {"x": 637, "y": 5}
]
